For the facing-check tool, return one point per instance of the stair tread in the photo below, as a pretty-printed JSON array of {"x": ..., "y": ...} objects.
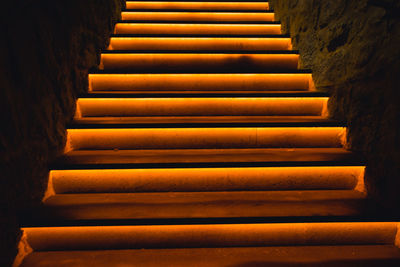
[
  {"x": 205, "y": 15},
  {"x": 291, "y": 121},
  {"x": 207, "y": 5},
  {"x": 201, "y": 22},
  {"x": 226, "y": 73},
  {"x": 204, "y": 94},
  {"x": 350, "y": 255},
  {"x": 209, "y": 157},
  {"x": 201, "y": 10},
  {"x": 173, "y": 35},
  {"x": 224, "y": 52},
  {"x": 205, "y": 204}
]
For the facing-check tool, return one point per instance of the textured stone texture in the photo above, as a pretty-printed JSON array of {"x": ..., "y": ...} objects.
[
  {"x": 353, "y": 50},
  {"x": 46, "y": 51}
]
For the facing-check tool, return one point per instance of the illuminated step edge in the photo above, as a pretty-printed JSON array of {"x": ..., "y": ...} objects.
[
  {"x": 207, "y": 106},
  {"x": 190, "y": 94},
  {"x": 200, "y": 43},
  {"x": 207, "y": 29},
  {"x": 197, "y": 5},
  {"x": 206, "y": 138},
  {"x": 147, "y": 62},
  {"x": 197, "y": 16},
  {"x": 223, "y": 235},
  {"x": 206, "y": 179},
  {"x": 201, "y": 82}
]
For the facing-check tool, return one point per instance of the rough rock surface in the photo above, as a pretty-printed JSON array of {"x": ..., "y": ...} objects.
[
  {"x": 353, "y": 49},
  {"x": 46, "y": 51}
]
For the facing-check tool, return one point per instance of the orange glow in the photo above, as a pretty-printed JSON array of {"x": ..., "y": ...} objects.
[
  {"x": 186, "y": 62},
  {"x": 187, "y": 138},
  {"x": 200, "y": 43},
  {"x": 198, "y": 5},
  {"x": 200, "y": 82},
  {"x": 283, "y": 106},
  {"x": 197, "y": 16},
  {"x": 165, "y": 28},
  {"x": 206, "y": 179},
  {"x": 217, "y": 235}
]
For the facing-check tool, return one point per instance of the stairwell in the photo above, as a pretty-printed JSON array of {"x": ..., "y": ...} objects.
[{"x": 201, "y": 143}]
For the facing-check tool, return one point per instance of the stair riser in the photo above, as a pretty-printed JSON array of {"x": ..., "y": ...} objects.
[
  {"x": 310, "y": 256},
  {"x": 200, "y": 82},
  {"x": 205, "y": 179},
  {"x": 240, "y": 6},
  {"x": 200, "y": 44},
  {"x": 198, "y": 63},
  {"x": 186, "y": 236},
  {"x": 209, "y": 158},
  {"x": 73, "y": 207},
  {"x": 123, "y": 107},
  {"x": 205, "y": 138},
  {"x": 193, "y": 29},
  {"x": 197, "y": 16}
]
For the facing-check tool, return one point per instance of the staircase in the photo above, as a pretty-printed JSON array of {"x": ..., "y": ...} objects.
[{"x": 201, "y": 143}]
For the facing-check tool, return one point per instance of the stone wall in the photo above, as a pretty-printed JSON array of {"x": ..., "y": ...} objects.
[
  {"x": 353, "y": 49},
  {"x": 46, "y": 51}
]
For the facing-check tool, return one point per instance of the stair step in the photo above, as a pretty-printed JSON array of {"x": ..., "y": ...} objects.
[
  {"x": 206, "y": 179},
  {"x": 167, "y": 94},
  {"x": 200, "y": 43},
  {"x": 165, "y": 205},
  {"x": 197, "y": 29},
  {"x": 190, "y": 5},
  {"x": 201, "y": 82},
  {"x": 200, "y": 121},
  {"x": 210, "y": 236},
  {"x": 83, "y": 159},
  {"x": 348, "y": 255},
  {"x": 197, "y": 16},
  {"x": 198, "y": 63},
  {"x": 205, "y": 138},
  {"x": 240, "y": 107}
]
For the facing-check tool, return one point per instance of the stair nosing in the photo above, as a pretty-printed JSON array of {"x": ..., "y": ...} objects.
[
  {"x": 198, "y": 22},
  {"x": 261, "y": 36},
  {"x": 131, "y": 94},
  {"x": 210, "y": 1},
  {"x": 223, "y": 52},
  {"x": 200, "y": 10},
  {"x": 298, "y": 71}
]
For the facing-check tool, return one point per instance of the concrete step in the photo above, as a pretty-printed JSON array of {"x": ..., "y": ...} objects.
[
  {"x": 210, "y": 236},
  {"x": 205, "y": 138},
  {"x": 310, "y": 256},
  {"x": 206, "y": 179},
  {"x": 184, "y": 205},
  {"x": 198, "y": 63},
  {"x": 95, "y": 159},
  {"x": 197, "y": 16},
  {"x": 297, "y": 81},
  {"x": 201, "y": 121},
  {"x": 207, "y": 106},
  {"x": 190, "y": 5},
  {"x": 210, "y": 93},
  {"x": 200, "y": 43},
  {"x": 197, "y": 29}
]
